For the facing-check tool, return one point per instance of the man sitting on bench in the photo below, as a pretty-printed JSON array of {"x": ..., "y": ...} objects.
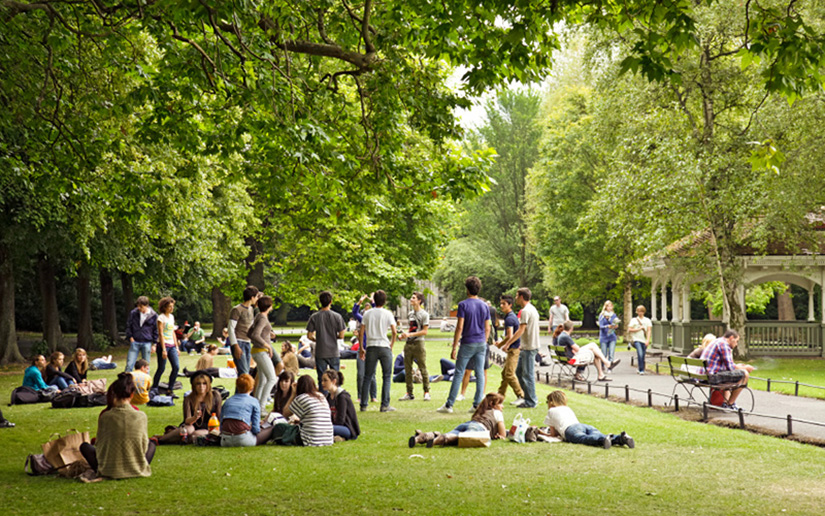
[
  {"x": 587, "y": 354},
  {"x": 723, "y": 370}
]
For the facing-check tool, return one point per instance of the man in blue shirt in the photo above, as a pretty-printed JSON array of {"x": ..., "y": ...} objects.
[
  {"x": 473, "y": 330},
  {"x": 508, "y": 373}
]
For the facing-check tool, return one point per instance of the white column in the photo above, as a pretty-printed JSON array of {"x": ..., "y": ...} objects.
[
  {"x": 676, "y": 302},
  {"x": 653, "y": 304},
  {"x": 822, "y": 291},
  {"x": 685, "y": 302},
  {"x": 664, "y": 301},
  {"x": 811, "y": 317}
]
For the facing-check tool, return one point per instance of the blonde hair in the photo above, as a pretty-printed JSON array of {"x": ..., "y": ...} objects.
[
  {"x": 82, "y": 367},
  {"x": 557, "y": 399},
  {"x": 604, "y": 306},
  {"x": 707, "y": 339}
]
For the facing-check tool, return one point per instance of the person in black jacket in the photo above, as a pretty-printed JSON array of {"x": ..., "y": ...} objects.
[
  {"x": 79, "y": 365},
  {"x": 141, "y": 332},
  {"x": 54, "y": 373},
  {"x": 344, "y": 419}
]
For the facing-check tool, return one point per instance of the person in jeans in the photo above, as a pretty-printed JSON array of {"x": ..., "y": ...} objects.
[
  {"x": 375, "y": 325},
  {"x": 508, "y": 372},
  {"x": 608, "y": 322},
  {"x": 723, "y": 370},
  {"x": 324, "y": 328},
  {"x": 268, "y": 360},
  {"x": 472, "y": 330},
  {"x": 358, "y": 315},
  {"x": 141, "y": 332},
  {"x": 640, "y": 329},
  {"x": 563, "y": 423},
  {"x": 168, "y": 343},
  {"x": 241, "y": 417},
  {"x": 529, "y": 328},
  {"x": 414, "y": 350},
  {"x": 240, "y": 319}
]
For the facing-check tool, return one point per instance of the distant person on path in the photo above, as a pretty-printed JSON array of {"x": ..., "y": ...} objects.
[
  {"x": 559, "y": 314},
  {"x": 324, "y": 328},
  {"x": 358, "y": 311},
  {"x": 563, "y": 423},
  {"x": 267, "y": 358},
  {"x": 640, "y": 328},
  {"x": 608, "y": 322},
  {"x": 168, "y": 344},
  {"x": 141, "y": 332},
  {"x": 585, "y": 355},
  {"x": 722, "y": 369},
  {"x": 472, "y": 331},
  {"x": 375, "y": 325},
  {"x": 414, "y": 351},
  {"x": 508, "y": 372},
  {"x": 529, "y": 328},
  {"x": 240, "y": 319}
]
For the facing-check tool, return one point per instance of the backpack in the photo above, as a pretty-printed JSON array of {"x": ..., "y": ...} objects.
[
  {"x": 222, "y": 391},
  {"x": 24, "y": 395},
  {"x": 37, "y": 465},
  {"x": 66, "y": 399}
]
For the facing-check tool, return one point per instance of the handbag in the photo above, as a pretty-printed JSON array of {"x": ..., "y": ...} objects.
[
  {"x": 37, "y": 465},
  {"x": 92, "y": 386},
  {"x": 65, "y": 450},
  {"x": 518, "y": 430}
]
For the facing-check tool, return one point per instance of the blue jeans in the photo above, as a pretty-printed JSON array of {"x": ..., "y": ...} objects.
[
  {"x": 172, "y": 353},
  {"x": 135, "y": 348},
  {"x": 374, "y": 355},
  {"x": 469, "y": 426},
  {"x": 608, "y": 346},
  {"x": 641, "y": 349},
  {"x": 342, "y": 431},
  {"x": 467, "y": 352},
  {"x": 234, "y": 441},
  {"x": 60, "y": 382},
  {"x": 322, "y": 364},
  {"x": 373, "y": 385},
  {"x": 526, "y": 374},
  {"x": 242, "y": 362},
  {"x": 584, "y": 434},
  {"x": 101, "y": 364}
]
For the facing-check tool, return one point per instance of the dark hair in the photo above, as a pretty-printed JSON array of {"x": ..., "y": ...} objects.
[
  {"x": 325, "y": 298},
  {"x": 291, "y": 348},
  {"x": 335, "y": 376},
  {"x": 473, "y": 285},
  {"x": 380, "y": 297},
  {"x": 142, "y": 301},
  {"x": 54, "y": 357},
  {"x": 306, "y": 385},
  {"x": 264, "y": 303},
  {"x": 730, "y": 333},
  {"x": 141, "y": 363},
  {"x": 35, "y": 358},
  {"x": 558, "y": 330},
  {"x": 507, "y": 298},
  {"x": 419, "y": 296},
  {"x": 163, "y": 303},
  {"x": 525, "y": 293},
  {"x": 249, "y": 292},
  {"x": 280, "y": 399},
  {"x": 211, "y": 347},
  {"x": 491, "y": 400},
  {"x": 121, "y": 389}
]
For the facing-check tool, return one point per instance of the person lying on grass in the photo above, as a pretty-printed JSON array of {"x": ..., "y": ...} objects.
[
  {"x": 198, "y": 407},
  {"x": 563, "y": 423},
  {"x": 487, "y": 417}
]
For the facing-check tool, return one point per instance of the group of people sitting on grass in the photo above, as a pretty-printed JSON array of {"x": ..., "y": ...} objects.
[{"x": 43, "y": 375}]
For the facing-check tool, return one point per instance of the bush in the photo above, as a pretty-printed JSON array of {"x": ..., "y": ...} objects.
[
  {"x": 101, "y": 342},
  {"x": 41, "y": 347}
]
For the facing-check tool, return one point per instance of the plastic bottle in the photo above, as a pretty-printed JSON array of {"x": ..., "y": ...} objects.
[
  {"x": 183, "y": 434},
  {"x": 214, "y": 424}
]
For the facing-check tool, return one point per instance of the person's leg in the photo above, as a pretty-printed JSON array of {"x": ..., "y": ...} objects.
[
  {"x": 603, "y": 346},
  {"x": 385, "y": 356},
  {"x": 369, "y": 371},
  {"x": 59, "y": 382},
  {"x": 408, "y": 371},
  {"x": 264, "y": 435},
  {"x": 246, "y": 349},
  {"x": 465, "y": 353},
  {"x": 640, "y": 354},
  {"x": 161, "y": 368},
  {"x": 446, "y": 366},
  {"x": 150, "y": 451},
  {"x": 174, "y": 360},
  {"x": 146, "y": 351},
  {"x": 481, "y": 373},
  {"x": 341, "y": 431},
  {"x": 359, "y": 367},
  {"x": 89, "y": 453},
  {"x": 401, "y": 377},
  {"x": 584, "y": 434},
  {"x": 321, "y": 365},
  {"x": 528, "y": 377},
  {"x": 420, "y": 357},
  {"x": 520, "y": 371},
  {"x": 611, "y": 349},
  {"x": 509, "y": 374},
  {"x": 266, "y": 378},
  {"x": 131, "y": 356},
  {"x": 465, "y": 380}
]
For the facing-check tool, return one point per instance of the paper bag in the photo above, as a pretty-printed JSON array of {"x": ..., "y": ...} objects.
[
  {"x": 474, "y": 439},
  {"x": 65, "y": 450}
]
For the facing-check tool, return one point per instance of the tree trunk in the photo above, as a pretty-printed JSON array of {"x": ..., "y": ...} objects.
[
  {"x": 281, "y": 313},
  {"x": 108, "y": 307},
  {"x": 52, "y": 333},
  {"x": 84, "y": 309},
  {"x": 784, "y": 305},
  {"x": 627, "y": 298},
  {"x": 589, "y": 317},
  {"x": 9, "y": 351},
  {"x": 255, "y": 277},
  {"x": 128, "y": 295},
  {"x": 221, "y": 305}
]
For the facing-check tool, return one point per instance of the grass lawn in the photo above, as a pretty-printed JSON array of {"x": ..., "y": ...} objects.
[
  {"x": 678, "y": 467},
  {"x": 804, "y": 370}
]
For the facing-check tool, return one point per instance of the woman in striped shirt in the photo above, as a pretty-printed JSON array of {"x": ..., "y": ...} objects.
[{"x": 313, "y": 412}]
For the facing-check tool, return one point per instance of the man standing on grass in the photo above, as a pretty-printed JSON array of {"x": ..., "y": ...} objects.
[
  {"x": 324, "y": 328},
  {"x": 240, "y": 319},
  {"x": 529, "y": 327},
  {"x": 375, "y": 324},
  {"x": 473, "y": 329},
  {"x": 141, "y": 331},
  {"x": 414, "y": 348},
  {"x": 508, "y": 372}
]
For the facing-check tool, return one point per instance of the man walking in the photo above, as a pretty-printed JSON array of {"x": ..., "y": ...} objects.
[
  {"x": 324, "y": 328},
  {"x": 508, "y": 373},
  {"x": 559, "y": 314},
  {"x": 473, "y": 330},
  {"x": 142, "y": 332},
  {"x": 529, "y": 327},
  {"x": 414, "y": 350},
  {"x": 240, "y": 319},
  {"x": 375, "y": 325}
]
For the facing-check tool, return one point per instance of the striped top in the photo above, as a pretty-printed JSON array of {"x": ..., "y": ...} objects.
[{"x": 316, "y": 421}]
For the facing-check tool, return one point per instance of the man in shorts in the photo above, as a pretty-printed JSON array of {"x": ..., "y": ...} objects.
[{"x": 723, "y": 370}]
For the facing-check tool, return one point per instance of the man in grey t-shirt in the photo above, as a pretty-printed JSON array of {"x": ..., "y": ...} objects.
[
  {"x": 240, "y": 319},
  {"x": 414, "y": 350},
  {"x": 325, "y": 327},
  {"x": 559, "y": 314}
]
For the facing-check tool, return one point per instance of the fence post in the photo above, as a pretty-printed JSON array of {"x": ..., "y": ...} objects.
[
  {"x": 704, "y": 411},
  {"x": 676, "y": 402},
  {"x": 547, "y": 378},
  {"x": 606, "y": 390},
  {"x": 626, "y": 392},
  {"x": 790, "y": 425},
  {"x": 741, "y": 419},
  {"x": 769, "y": 385},
  {"x": 657, "y": 367},
  {"x": 589, "y": 387},
  {"x": 649, "y": 398},
  {"x": 796, "y": 390},
  {"x": 538, "y": 376}
]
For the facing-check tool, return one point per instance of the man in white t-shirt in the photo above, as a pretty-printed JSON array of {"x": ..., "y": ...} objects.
[
  {"x": 640, "y": 328},
  {"x": 559, "y": 314},
  {"x": 378, "y": 347},
  {"x": 528, "y": 332}
]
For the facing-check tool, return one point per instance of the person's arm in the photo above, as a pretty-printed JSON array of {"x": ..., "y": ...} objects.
[
  {"x": 255, "y": 333},
  {"x": 356, "y": 310},
  {"x": 362, "y": 351},
  {"x": 514, "y": 337},
  {"x": 155, "y": 333},
  {"x": 287, "y": 413},
  {"x": 420, "y": 333},
  {"x": 394, "y": 335},
  {"x": 566, "y": 314},
  {"x": 129, "y": 330},
  {"x": 459, "y": 327},
  {"x": 501, "y": 432},
  {"x": 488, "y": 326},
  {"x": 161, "y": 340},
  {"x": 634, "y": 325},
  {"x": 508, "y": 333},
  {"x": 256, "y": 417}
]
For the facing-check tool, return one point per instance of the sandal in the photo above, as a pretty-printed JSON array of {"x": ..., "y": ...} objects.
[
  {"x": 604, "y": 379},
  {"x": 579, "y": 377}
]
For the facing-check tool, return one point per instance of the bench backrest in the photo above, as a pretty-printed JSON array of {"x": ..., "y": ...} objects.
[
  {"x": 684, "y": 368},
  {"x": 559, "y": 352}
]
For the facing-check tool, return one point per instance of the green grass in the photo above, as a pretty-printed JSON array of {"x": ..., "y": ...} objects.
[
  {"x": 678, "y": 467},
  {"x": 803, "y": 370}
]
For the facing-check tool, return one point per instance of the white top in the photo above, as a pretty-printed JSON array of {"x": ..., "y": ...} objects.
[
  {"x": 558, "y": 315},
  {"x": 530, "y": 320},
  {"x": 378, "y": 322},
  {"x": 639, "y": 322},
  {"x": 499, "y": 417},
  {"x": 560, "y": 418}
]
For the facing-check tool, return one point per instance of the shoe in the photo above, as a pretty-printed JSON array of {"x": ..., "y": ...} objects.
[
  {"x": 604, "y": 379},
  {"x": 427, "y": 396},
  {"x": 412, "y": 441},
  {"x": 614, "y": 363},
  {"x": 460, "y": 397},
  {"x": 388, "y": 409},
  {"x": 6, "y": 424},
  {"x": 579, "y": 377},
  {"x": 627, "y": 440},
  {"x": 439, "y": 378},
  {"x": 374, "y": 400},
  {"x": 430, "y": 442},
  {"x": 406, "y": 397},
  {"x": 444, "y": 409},
  {"x": 363, "y": 409},
  {"x": 472, "y": 410},
  {"x": 518, "y": 402},
  {"x": 732, "y": 406},
  {"x": 608, "y": 442},
  {"x": 640, "y": 373},
  {"x": 338, "y": 439}
]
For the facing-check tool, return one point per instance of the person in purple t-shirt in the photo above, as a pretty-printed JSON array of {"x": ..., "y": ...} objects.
[{"x": 473, "y": 329}]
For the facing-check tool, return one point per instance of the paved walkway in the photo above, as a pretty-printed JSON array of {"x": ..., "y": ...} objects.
[{"x": 765, "y": 403}]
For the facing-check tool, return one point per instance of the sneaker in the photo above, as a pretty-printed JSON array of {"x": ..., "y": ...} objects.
[
  {"x": 6, "y": 424},
  {"x": 627, "y": 440},
  {"x": 614, "y": 363},
  {"x": 608, "y": 442},
  {"x": 412, "y": 442},
  {"x": 388, "y": 409},
  {"x": 338, "y": 439},
  {"x": 519, "y": 401},
  {"x": 732, "y": 406},
  {"x": 444, "y": 409},
  {"x": 427, "y": 396},
  {"x": 460, "y": 397},
  {"x": 439, "y": 378},
  {"x": 363, "y": 408},
  {"x": 406, "y": 397},
  {"x": 472, "y": 410},
  {"x": 640, "y": 373}
]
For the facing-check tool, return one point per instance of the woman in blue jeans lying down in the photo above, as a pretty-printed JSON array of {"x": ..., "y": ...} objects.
[
  {"x": 447, "y": 372},
  {"x": 487, "y": 417},
  {"x": 564, "y": 423}
]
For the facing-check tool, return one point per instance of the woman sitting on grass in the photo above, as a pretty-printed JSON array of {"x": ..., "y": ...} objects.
[
  {"x": 79, "y": 365},
  {"x": 241, "y": 418},
  {"x": 290, "y": 359},
  {"x": 205, "y": 363},
  {"x": 564, "y": 424},
  {"x": 33, "y": 377},
  {"x": 313, "y": 413},
  {"x": 198, "y": 407},
  {"x": 487, "y": 417},
  {"x": 344, "y": 419},
  {"x": 54, "y": 373},
  {"x": 284, "y": 391},
  {"x": 122, "y": 448}
]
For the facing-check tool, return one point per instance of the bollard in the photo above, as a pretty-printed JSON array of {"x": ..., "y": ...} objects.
[
  {"x": 676, "y": 402},
  {"x": 547, "y": 378},
  {"x": 649, "y": 398},
  {"x": 572, "y": 383},
  {"x": 769, "y": 385},
  {"x": 589, "y": 388},
  {"x": 741, "y": 419},
  {"x": 704, "y": 411},
  {"x": 790, "y": 425},
  {"x": 657, "y": 367},
  {"x": 627, "y": 393},
  {"x": 796, "y": 391},
  {"x": 606, "y": 390},
  {"x": 538, "y": 376}
]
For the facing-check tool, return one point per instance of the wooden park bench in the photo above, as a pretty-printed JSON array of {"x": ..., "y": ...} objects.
[
  {"x": 691, "y": 375},
  {"x": 561, "y": 365}
]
